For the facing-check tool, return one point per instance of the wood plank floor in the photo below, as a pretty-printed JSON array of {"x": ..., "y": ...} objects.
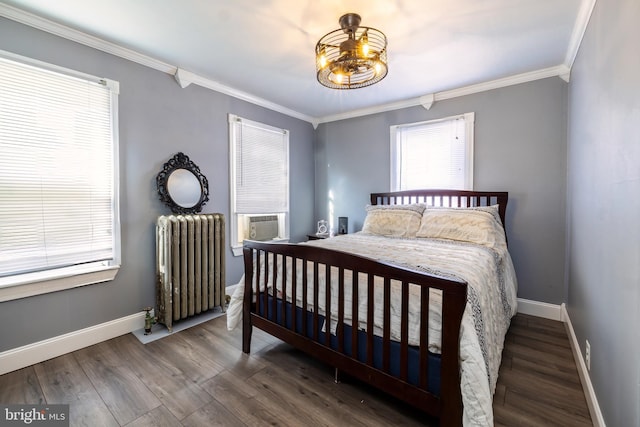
[{"x": 199, "y": 377}]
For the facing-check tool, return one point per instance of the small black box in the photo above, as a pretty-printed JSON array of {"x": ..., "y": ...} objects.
[{"x": 343, "y": 225}]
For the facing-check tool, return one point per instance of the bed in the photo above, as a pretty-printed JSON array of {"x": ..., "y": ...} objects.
[{"x": 416, "y": 304}]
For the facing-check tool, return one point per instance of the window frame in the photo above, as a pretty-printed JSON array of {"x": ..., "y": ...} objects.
[
  {"x": 56, "y": 279},
  {"x": 235, "y": 222},
  {"x": 469, "y": 150}
]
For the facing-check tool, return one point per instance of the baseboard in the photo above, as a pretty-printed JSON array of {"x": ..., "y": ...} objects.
[
  {"x": 30, "y": 354},
  {"x": 559, "y": 312},
  {"x": 585, "y": 379},
  {"x": 540, "y": 309}
]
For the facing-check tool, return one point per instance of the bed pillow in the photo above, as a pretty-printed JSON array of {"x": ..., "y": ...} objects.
[
  {"x": 393, "y": 220},
  {"x": 480, "y": 225}
]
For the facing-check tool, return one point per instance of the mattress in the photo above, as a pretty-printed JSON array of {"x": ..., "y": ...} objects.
[{"x": 491, "y": 302}]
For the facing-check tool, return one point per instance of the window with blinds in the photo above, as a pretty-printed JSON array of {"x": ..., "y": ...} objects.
[
  {"x": 259, "y": 165},
  {"x": 58, "y": 173},
  {"x": 436, "y": 154}
]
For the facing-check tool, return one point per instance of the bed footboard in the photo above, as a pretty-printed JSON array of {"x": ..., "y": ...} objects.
[{"x": 331, "y": 326}]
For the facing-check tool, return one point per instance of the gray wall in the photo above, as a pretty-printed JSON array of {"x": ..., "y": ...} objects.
[
  {"x": 157, "y": 119},
  {"x": 604, "y": 208},
  {"x": 520, "y": 147}
]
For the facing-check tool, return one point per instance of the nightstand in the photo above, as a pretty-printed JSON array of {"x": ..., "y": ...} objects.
[{"x": 317, "y": 236}]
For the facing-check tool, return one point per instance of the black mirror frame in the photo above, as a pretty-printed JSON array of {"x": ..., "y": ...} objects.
[{"x": 181, "y": 161}]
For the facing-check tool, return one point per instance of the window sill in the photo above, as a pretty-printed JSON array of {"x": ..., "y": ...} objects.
[
  {"x": 237, "y": 250},
  {"x": 31, "y": 285}
]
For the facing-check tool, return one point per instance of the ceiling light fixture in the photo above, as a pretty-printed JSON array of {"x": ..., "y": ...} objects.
[{"x": 351, "y": 57}]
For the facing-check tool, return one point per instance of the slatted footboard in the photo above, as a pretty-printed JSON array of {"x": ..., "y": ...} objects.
[
  {"x": 410, "y": 372},
  {"x": 323, "y": 278}
]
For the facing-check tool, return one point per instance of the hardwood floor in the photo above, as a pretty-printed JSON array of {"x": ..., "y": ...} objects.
[
  {"x": 199, "y": 377},
  {"x": 538, "y": 383}
]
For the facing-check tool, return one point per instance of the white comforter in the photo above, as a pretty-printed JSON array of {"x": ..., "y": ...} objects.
[{"x": 491, "y": 302}]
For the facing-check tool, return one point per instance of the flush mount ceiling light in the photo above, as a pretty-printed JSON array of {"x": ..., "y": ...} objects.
[{"x": 352, "y": 56}]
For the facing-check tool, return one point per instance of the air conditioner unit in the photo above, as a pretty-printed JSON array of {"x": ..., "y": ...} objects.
[{"x": 263, "y": 227}]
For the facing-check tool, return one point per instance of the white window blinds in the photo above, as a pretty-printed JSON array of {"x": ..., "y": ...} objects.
[
  {"x": 260, "y": 167},
  {"x": 434, "y": 154},
  {"x": 57, "y": 157}
]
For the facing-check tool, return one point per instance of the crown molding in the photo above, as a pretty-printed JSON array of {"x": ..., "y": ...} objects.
[
  {"x": 54, "y": 28},
  {"x": 579, "y": 28},
  {"x": 427, "y": 100},
  {"x": 412, "y": 102},
  {"x": 183, "y": 77},
  {"x": 565, "y": 73},
  {"x": 500, "y": 83}
]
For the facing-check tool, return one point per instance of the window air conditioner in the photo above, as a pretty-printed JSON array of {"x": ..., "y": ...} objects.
[{"x": 263, "y": 227}]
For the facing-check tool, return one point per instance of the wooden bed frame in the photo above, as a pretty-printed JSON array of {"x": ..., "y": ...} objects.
[{"x": 447, "y": 406}]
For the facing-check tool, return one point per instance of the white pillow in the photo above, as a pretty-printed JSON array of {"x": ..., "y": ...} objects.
[
  {"x": 480, "y": 225},
  {"x": 393, "y": 220}
]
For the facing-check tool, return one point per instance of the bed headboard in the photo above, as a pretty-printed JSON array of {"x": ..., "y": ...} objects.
[{"x": 450, "y": 198}]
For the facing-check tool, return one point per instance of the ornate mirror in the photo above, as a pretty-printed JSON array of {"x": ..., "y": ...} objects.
[{"x": 181, "y": 186}]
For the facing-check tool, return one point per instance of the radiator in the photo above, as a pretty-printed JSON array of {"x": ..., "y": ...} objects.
[{"x": 190, "y": 266}]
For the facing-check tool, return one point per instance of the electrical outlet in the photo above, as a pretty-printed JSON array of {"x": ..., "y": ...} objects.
[{"x": 587, "y": 355}]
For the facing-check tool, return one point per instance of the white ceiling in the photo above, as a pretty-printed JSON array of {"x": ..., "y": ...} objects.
[{"x": 263, "y": 50}]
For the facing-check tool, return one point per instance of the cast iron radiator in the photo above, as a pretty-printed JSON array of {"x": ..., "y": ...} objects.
[{"x": 190, "y": 265}]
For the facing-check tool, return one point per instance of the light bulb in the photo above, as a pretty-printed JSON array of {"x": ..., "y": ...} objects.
[
  {"x": 323, "y": 61},
  {"x": 339, "y": 78},
  {"x": 378, "y": 67},
  {"x": 364, "y": 42}
]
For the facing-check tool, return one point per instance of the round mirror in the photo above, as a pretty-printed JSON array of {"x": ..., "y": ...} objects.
[
  {"x": 181, "y": 186},
  {"x": 184, "y": 188}
]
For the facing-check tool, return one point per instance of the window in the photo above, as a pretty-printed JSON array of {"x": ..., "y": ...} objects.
[
  {"x": 436, "y": 154},
  {"x": 59, "y": 225},
  {"x": 259, "y": 165}
]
